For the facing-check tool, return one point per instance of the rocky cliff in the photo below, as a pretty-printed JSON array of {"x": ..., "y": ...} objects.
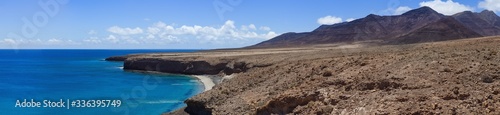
[
  {"x": 451, "y": 77},
  {"x": 190, "y": 67},
  {"x": 200, "y": 63}
]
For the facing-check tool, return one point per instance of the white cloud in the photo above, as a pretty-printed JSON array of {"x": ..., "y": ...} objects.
[
  {"x": 132, "y": 41},
  {"x": 244, "y": 27},
  {"x": 446, "y": 7},
  {"x": 328, "y": 20},
  {"x": 162, "y": 33},
  {"x": 265, "y": 28},
  {"x": 48, "y": 42},
  {"x": 226, "y": 31},
  {"x": 158, "y": 35},
  {"x": 124, "y": 31},
  {"x": 394, "y": 11},
  {"x": 271, "y": 35},
  {"x": 54, "y": 41},
  {"x": 493, "y": 5},
  {"x": 350, "y": 19},
  {"x": 8, "y": 41},
  {"x": 93, "y": 40},
  {"x": 112, "y": 39},
  {"x": 251, "y": 26},
  {"x": 401, "y": 10}
]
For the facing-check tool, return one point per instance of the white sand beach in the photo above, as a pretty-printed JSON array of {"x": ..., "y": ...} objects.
[{"x": 208, "y": 83}]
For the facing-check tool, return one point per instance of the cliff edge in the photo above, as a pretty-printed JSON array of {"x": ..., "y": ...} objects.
[{"x": 449, "y": 77}]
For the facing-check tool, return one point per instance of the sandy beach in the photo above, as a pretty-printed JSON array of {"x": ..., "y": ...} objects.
[{"x": 208, "y": 83}]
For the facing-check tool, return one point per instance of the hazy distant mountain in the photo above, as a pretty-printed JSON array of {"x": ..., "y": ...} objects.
[{"x": 418, "y": 25}]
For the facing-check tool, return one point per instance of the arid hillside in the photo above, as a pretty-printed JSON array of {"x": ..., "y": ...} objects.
[
  {"x": 449, "y": 77},
  {"x": 415, "y": 26}
]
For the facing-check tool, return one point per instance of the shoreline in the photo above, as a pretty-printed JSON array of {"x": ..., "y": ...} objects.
[{"x": 206, "y": 81}]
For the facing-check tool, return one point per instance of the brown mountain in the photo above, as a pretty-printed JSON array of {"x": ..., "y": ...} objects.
[
  {"x": 486, "y": 23},
  {"x": 418, "y": 25},
  {"x": 445, "y": 29}
]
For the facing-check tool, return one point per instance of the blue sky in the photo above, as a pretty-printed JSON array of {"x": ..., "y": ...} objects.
[{"x": 186, "y": 24}]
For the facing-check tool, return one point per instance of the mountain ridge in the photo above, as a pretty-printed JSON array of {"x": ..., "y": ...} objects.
[{"x": 418, "y": 25}]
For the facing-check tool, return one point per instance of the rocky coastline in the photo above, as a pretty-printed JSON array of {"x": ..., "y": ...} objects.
[{"x": 449, "y": 77}]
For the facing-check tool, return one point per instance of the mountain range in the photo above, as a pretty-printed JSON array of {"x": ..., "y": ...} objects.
[{"x": 415, "y": 26}]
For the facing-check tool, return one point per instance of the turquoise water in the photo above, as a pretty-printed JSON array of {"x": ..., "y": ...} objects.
[{"x": 72, "y": 75}]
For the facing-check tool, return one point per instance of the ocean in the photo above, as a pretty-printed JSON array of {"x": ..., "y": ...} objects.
[{"x": 81, "y": 82}]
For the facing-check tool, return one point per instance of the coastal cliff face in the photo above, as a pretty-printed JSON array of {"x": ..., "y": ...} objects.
[
  {"x": 190, "y": 67},
  {"x": 217, "y": 62},
  {"x": 451, "y": 77},
  {"x": 117, "y": 58}
]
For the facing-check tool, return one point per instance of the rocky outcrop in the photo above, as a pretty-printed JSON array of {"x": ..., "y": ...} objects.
[
  {"x": 190, "y": 67},
  {"x": 116, "y": 58},
  {"x": 197, "y": 108},
  {"x": 287, "y": 103}
]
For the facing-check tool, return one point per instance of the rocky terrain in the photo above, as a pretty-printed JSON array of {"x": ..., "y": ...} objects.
[
  {"x": 449, "y": 77},
  {"x": 414, "y": 63},
  {"x": 415, "y": 26}
]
